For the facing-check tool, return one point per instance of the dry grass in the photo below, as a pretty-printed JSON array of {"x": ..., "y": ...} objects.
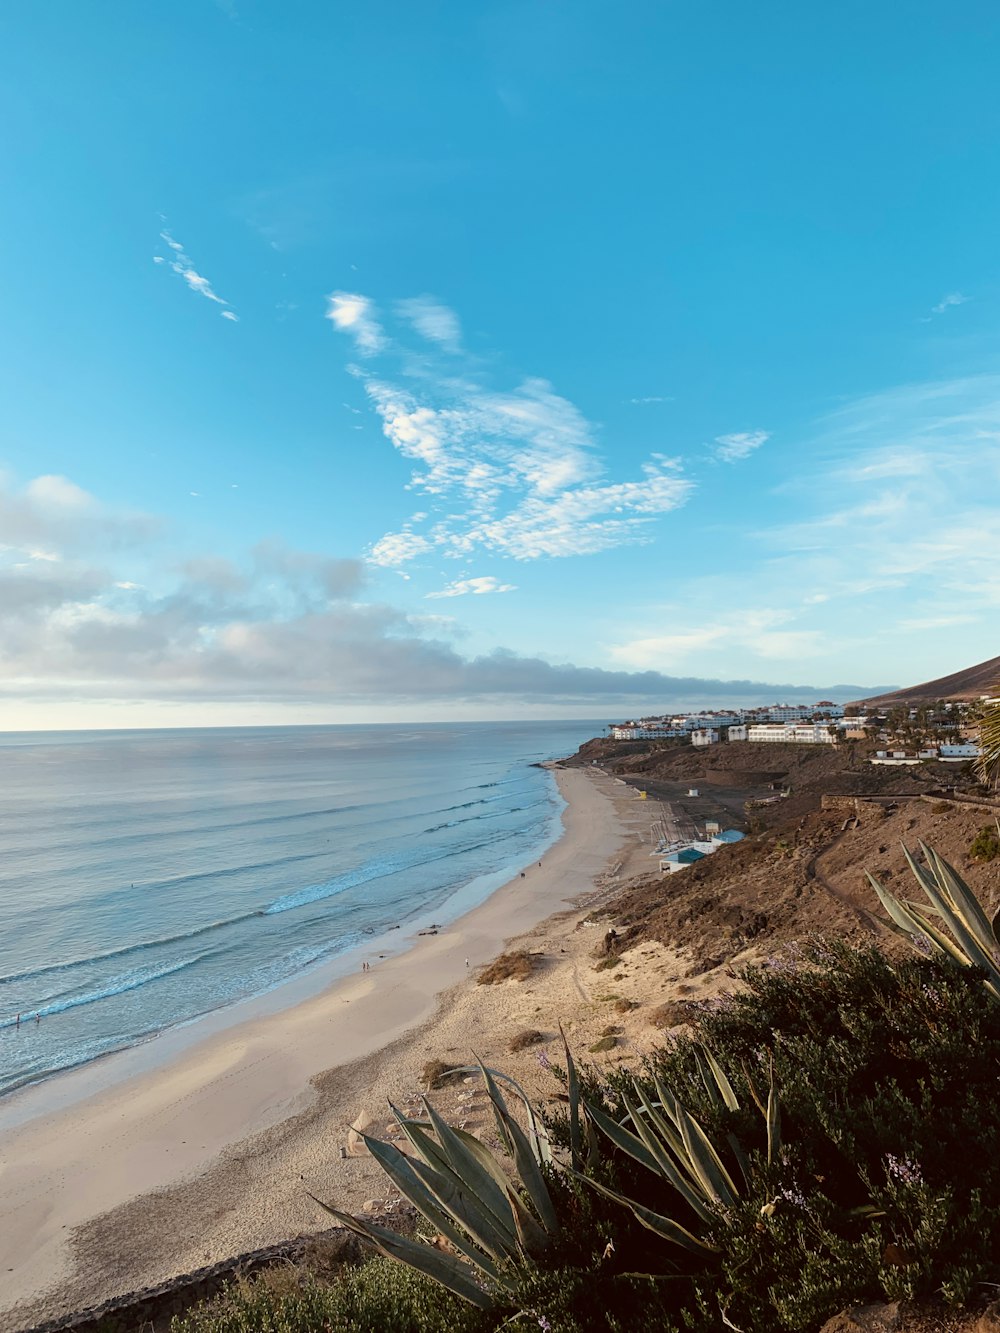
[
  {"x": 669, "y": 1015},
  {"x": 515, "y": 966},
  {"x": 436, "y": 1074},
  {"x": 522, "y": 1040}
]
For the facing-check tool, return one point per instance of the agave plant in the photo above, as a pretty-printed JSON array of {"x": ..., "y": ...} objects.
[
  {"x": 489, "y": 1225},
  {"x": 667, "y": 1139},
  {"x": 974, "y": 940}
]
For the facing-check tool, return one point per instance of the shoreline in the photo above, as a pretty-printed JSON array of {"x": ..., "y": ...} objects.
[
  {"x": 92, "y": 1195},
  {"x": 63, "y": 1088}
]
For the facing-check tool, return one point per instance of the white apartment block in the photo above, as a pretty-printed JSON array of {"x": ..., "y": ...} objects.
[
  {"x": 801, "y": 733},
  {"x": 704, "y": 736}
]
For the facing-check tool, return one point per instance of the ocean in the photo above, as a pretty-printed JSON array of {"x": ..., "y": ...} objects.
[{"x": 150, "y": 877}]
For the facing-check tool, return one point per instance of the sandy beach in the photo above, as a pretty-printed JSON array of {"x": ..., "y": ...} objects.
[{"x": 211, "y": 1154}]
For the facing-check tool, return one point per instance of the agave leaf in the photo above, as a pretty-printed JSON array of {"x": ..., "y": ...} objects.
[
  {"x": 706, "y": 1161},
  {"x": 746, "y": 1072},
  {"x": 541, "y": 1144},
  {"x": 444, "y": 1268},
  {"x": 705, "y": 1073},
  {"x": 965, "y": 901},
  {"x": 441, "y": 1207},
  {"x": 663, "y": 1226},
  {"x": 622, "y": 1138},
  {"x": 773, "y": 1123},
  {"x": 939, "y": 939},
  {"x": 898, "y": 911},
  {"x": 530, "y": 1235},
  {"x": 909, "y": 920},
  {"x": 492, "y": 1223},
  {"x": 573, "y": 1088},
  {"x": 723, "y": 1083},
  {"x": 996, "y": 918},
  {"x": 919, "y": 907},
  {"x": 470, "y": 1170},
  {"x": 741, "y": 1159},
  {"x": 528, "y": 1170},
  {"x": 691, "y": 1190},
  {"x": 490, "y": 1233},
  {"x": 956, "y": 923}
]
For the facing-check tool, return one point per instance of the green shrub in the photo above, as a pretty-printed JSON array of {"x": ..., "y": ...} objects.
[
  {"x": 985, "y": 845},
  {"x": 888, "y": 1182},
  {"x": 381, "y": 1296}
]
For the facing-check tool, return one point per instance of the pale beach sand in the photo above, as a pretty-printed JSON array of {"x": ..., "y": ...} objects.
[{"x": 212, "y": 1153}]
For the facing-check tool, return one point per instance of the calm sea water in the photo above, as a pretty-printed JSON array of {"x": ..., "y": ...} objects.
[{"x": 149, "y": 877}]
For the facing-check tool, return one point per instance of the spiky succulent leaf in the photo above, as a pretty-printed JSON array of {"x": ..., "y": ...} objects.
[
  {"x": 773, "y": 1123},
  {"x": 468, "y": 1167},
  {"x": 439, "y": 1203},
  {"x": 722, "y": 1082},
  {"x": 443, "y": 1268},
  {"x": 665, "y": 1227},
  {"x": 622, "y": 1138},
  {"x": 496, "y": 1236},
  {"x": 706, "y": 1161},
  {"x": 964, "y": 900},
  {"x": 525, "y": 1161},
  {"x": 573, "y": 1090},
  {"x": 673, "y": 1161}
]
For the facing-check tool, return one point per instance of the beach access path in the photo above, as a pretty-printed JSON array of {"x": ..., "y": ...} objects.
[{"x": 211, "y": 1153}]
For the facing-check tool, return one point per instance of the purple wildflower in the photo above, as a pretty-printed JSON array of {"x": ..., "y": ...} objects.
[
  {"x": 795, "y": 1197},
  {"x": 543, "y": 1060},
  {"x": 903, "y": 1169}
]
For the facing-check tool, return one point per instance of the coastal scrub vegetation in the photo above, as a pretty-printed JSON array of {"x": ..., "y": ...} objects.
[
  {"x": 827, "y": 1134},
  {"x": 518, "y": 965}
]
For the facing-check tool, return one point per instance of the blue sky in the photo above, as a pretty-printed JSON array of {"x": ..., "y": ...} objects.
[{"x": 450, "y": 359}]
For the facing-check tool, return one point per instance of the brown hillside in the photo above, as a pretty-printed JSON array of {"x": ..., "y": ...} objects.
[{"x": 967, "y": 684}]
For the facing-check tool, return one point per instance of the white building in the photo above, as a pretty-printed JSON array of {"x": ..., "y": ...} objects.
[
  {"x": 646, "y": 729},
  {"x": 737, "y": 733},
  {"x": 966, "y": 750},
  {"x": 801, "y": 733},
  {"x": 705, "y": 736}
]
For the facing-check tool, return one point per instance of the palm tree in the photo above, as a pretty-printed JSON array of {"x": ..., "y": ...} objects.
[{"x": 989, "y": 742}]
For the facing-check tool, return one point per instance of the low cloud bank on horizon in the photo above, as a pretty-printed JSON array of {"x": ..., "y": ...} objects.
[{"x": 282, "y": 626}]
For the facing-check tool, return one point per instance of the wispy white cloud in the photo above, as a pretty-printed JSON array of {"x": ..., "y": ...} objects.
[
  {"x": 398, "y": 548},
  {"x": 355, "y": 315},
  {"x": 433, "y": 321},
  {"x": 512, "y": 471},
  {"x": 953, "y": 298},
  {"x": 733, "y": 448},
  {"x": 181, "y": 264},
  {"x": 650, "y": 398},
  {"x": 477, "y": 587}
]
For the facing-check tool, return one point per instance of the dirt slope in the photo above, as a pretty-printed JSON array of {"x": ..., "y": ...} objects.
[{"x": 968, "y": 684}]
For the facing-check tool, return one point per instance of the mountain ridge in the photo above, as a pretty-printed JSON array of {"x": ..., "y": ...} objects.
[{"x": 969, "y": 683}]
